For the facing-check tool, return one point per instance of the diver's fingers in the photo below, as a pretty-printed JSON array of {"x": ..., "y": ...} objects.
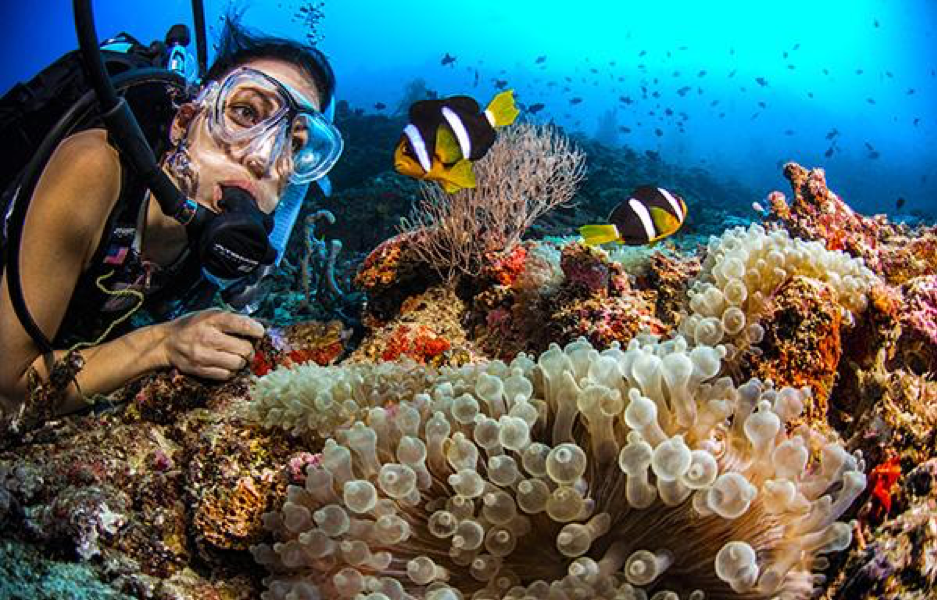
[
  {"x": 227, "y": 361},
  {"x": 216, "y": 373},
  {"x": 233, "y": 345},
  {"x": 239, "y": 325}
]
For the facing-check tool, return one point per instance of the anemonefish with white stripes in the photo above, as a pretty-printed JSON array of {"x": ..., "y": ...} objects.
[
  {"x": 444, "y": 137},
  {"x": 648, "y": 215}
]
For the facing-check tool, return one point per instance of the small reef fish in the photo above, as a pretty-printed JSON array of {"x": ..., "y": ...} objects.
[
  {"x": 448, "y": 59},
  {"x": 650, "y": 214},
  {"x": 535, "y": 108},
  {"x": 379, "y": 106},
  {"x": 540, "y": 59},
  {"x": 445, "y": 137}
]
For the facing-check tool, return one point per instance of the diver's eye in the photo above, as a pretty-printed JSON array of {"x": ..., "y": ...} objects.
[{"x": 244, "y": 115}]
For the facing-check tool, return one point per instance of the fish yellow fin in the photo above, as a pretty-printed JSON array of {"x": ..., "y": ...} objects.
[
  {"x": 594, "y": 235},
  {"x": 447, "y": 147},
  {"x": 502, "y": 109},
  {"x": 458, "y": 177},
  {"x": 664, "y": 222}
]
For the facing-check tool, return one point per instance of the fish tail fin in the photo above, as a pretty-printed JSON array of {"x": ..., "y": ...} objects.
[
  {"x": 594, "y": 235},
  {"x": 460, "y": 176},
  {"x": 502, "y": 111}
]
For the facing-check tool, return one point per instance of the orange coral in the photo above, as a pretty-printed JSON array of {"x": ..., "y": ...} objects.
[
  {"x": 883, "y": 480},
  {"x": 505, "y": 269},
  {"x": 231, "y": 519},
  {"x": 802, "y": 346},
  {"x": 418, "y": 343}
]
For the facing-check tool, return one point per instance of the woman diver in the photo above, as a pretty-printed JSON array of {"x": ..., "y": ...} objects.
[{"x": 95, "y": 240}]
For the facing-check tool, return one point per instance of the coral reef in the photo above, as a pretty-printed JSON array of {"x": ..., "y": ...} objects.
[
  {"x": 898, "y": 559},
  {"x": 597, "y": 301},
  {"x": 744, "y": 269},
  {"x": 427, "y": 329},
  {"x": 917, "y": 346},
  {"x": 545, "y": 477},
  {"x": 160, "y": 489},
  {"x": 801, "y": 345},
  {"x": 312, "y": 341},
  {"x": 669, "y": 277},
  {"x": 559, "y": 296},
  {"x": 391, "y": 273},
  {"x": 159, "y": 496},
  {"x": 893, "y": 251}
]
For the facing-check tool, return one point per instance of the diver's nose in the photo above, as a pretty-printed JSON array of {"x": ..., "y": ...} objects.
[
  {"x": 258, "y": 156},
  {"x": 256, "y": 164}
]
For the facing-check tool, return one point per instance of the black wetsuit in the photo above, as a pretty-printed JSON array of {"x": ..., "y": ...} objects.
[{"x": 168, "y": 291}]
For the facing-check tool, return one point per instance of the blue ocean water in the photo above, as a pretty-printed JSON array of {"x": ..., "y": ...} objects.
[{"x": 734, "y": 87}]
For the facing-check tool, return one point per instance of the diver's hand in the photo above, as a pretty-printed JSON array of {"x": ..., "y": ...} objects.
[{"x": 210, "y": 343}]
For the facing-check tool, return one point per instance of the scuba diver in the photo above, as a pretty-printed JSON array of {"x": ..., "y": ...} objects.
[{"x": 95, "y": 246}]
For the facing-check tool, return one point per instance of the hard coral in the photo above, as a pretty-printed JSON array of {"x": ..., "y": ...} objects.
[
  {"x": 578, "y": 474},
  {"x": 899, "y": 561},
  {"x": 893, "y": 251},
  {"x": 917, "y": 346},
  {"x": 85, "y": 487},
  {"x": 320, "y": 342},
  {"x": 427, "y": 329},
  {"x": 801, "y": 344},
  {"x": 604, "y": 320},
  {"x": 669, "y": 277},
  {"x": 391, "y": 273},
  {"x": 505, "y": 268},
  {"x": 596, "y": 301},
  {"x": 230, "y": 519},
  {"x": 817, "y": 213}
]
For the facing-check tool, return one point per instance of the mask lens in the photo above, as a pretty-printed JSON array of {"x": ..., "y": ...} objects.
[
  {"x": 316, "y": 146},
  {"x": 247, "y": 105}
]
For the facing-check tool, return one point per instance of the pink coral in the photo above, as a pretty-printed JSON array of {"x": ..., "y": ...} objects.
[
  {"x": 585, "y": 268},
  {"x": 921, "y": 313}
]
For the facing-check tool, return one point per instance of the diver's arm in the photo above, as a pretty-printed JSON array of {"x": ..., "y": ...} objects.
[
  {"x": 66, "y": 220},
  {"x": 67, "y": 216}
]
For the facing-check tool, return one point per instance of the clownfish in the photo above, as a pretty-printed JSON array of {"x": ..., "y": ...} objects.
[
  {"x": 444, "y": 137},
  {"x": 648, "y": 215}
]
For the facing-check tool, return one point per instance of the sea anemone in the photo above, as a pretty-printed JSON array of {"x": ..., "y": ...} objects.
[
  {"x": 620, "y": 474},
  {"x": 744, "y": 268}
]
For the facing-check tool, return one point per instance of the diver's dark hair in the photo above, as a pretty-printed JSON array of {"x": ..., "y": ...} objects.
[{"x": 238, "y": 45}]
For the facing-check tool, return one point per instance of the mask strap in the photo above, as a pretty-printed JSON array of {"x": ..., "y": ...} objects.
[{"x": 284, "y": 217}]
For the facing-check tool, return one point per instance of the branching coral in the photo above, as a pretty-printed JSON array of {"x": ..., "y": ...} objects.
[
  {"x": 579, "y": 475},
  {"x": 745, "y": 267},
  {"x": 529, "y": 171}
]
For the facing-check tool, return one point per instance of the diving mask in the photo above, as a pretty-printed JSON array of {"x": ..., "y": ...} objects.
[{"x": 253, "y": 110}]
